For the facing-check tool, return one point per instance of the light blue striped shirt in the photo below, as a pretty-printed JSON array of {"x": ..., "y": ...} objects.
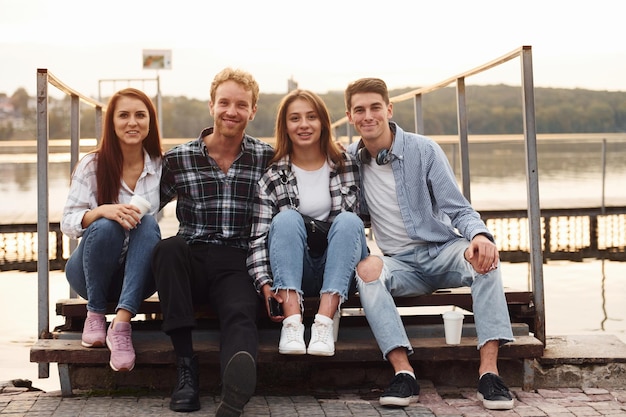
[{"x": 432, "y": 206}]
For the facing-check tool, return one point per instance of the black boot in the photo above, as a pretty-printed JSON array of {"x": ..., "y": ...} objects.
[
  {"x": 238, "y": 385},
  {"x": 186, "y": 394}
]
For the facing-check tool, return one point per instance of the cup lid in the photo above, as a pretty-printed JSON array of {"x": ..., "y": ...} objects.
[{"x": 453, "y": 314}]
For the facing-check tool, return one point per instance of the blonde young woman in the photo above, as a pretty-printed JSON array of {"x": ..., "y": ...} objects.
[
  {"x": 112, "y": 261},
  {"x": 309, "y": 175}
]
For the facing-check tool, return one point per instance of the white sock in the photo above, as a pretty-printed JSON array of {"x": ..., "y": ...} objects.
[
  {"x": 322, "y": 319},
  {"x": 406, "y": 372},
  {"x": 294, "y": 318}
]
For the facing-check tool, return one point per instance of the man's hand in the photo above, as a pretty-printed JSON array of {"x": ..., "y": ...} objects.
[{"x": 482, "y": 254}]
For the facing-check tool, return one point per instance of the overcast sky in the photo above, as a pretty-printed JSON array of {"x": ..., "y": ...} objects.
[{"x": 322, "y": 44}]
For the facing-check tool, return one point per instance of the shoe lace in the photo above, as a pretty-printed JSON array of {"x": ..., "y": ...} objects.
[
  {"x": 291, "y": 331},
  {"x": 94, "y": 323},
  {"x": 185, "y": 376},
  {"x": 495, "y": 386},
  {"x": 122, "y": 341},
  {"x": 399, "y": 385},
  {"x": 322, "y": 332}
]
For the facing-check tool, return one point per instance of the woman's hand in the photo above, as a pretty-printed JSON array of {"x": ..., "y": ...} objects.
[
  {"x": 126, "y": 215},
  {"x": 267, "y": 293}
]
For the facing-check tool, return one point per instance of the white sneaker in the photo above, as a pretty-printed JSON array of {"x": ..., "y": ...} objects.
[
  {"x": 292, "y": 337},
  {"x": 322, "y": 339}
]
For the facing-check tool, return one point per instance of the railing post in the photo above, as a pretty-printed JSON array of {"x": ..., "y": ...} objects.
[
  {"x": 593, "y": 236},
  {"x": 74, "y": 153},
  {"x": 59, "y": 247},
  {"x": 349, "y": 132},
  {"x": 43, "y": 226},
  {"x": 418, "y": 108},
  {"x": 461, "y": 110},
  {"x": 532, "y": 181},
  {"x": 159, "y": 104},
  {"x": 603, "y": 206},
  {"x": 98, "y": 122}
]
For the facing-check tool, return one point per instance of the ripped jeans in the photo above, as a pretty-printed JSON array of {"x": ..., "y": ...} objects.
[
  {"x": 294, "y": 268},
  {"x": 415, "y": 272}
]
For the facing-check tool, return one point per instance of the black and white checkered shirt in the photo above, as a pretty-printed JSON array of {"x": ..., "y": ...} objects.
[{"x": 213, "y": 206}]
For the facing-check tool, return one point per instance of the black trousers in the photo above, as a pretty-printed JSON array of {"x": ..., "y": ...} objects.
[{"x": 190, "y": 274}]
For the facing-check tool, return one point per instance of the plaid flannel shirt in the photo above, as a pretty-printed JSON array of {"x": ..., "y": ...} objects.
[
  {"x": 277, "y": 191},
  {"x": 213, "y": 206}
]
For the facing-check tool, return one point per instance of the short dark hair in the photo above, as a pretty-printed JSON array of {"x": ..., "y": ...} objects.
[{"x": 366, "y": 85}]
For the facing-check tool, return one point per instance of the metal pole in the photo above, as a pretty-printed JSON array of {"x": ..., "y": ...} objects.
[
  {"x": 463, "y": 137},
  {"x": 159, "y": 109},
  {"x": 532, "y": 182},
  {"x": 74, "y": 154},
  {"x": 603, "y": 207},
  {"x": 419, "y": 114},
  {"x": 43, "y": 223}
]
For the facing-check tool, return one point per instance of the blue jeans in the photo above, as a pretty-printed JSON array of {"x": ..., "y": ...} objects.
[
  {"x": 294, "y": 268},
  {"x": 97, "y": 271},
  {"x": 415, "y": 272}
]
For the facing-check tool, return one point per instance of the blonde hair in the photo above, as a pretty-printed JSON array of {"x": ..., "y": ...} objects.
[{"x": 243, "y": 78}]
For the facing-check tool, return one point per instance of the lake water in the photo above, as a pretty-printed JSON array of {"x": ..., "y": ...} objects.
[{"x": 581, "y": 297}]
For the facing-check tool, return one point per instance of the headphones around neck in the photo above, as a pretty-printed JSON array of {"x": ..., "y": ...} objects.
[{"x": 383, "y": 157}]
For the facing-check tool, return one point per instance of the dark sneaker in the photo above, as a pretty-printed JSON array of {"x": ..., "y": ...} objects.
[
  {"x": 494, "y": 394},
  {"x": 238, "y": 385},
  {"x": 402, "y": 391}
]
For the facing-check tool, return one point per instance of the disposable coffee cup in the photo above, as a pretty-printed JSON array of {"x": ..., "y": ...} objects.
[
  {"x": 141, "y": 203},
  {"x": 453, "y": 326}
]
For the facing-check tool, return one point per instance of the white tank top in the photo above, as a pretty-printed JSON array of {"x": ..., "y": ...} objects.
[{"x": 314, "y": 191}]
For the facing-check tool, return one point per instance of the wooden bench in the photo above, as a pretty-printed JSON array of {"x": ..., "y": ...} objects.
[{"x": 355, "y": 346}]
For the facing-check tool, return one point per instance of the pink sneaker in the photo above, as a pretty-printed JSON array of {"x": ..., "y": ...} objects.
[
  {"x": 94, "y": 331},
  {"x": 120, "y": 342}
]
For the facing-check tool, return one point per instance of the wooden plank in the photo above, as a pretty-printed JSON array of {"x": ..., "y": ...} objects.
[
  {"x": 461, "y": 297},
  {"x": 158, "y": 350},
  {"x": 519, "y": 303}
]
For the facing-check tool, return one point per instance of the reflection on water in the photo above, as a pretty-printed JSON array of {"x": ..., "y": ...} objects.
[{"x": 586, "y": 297}]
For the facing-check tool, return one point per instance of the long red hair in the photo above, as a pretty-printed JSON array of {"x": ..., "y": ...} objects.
[{"x": 109, "y": 153}]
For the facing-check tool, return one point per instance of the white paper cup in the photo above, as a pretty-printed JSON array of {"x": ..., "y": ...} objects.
[
  {"x": 453, "y": 326},
  {"x": 141, "y": 203}
]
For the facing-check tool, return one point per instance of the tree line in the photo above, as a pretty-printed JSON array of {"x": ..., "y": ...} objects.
[{"x": 492, "y": 109}]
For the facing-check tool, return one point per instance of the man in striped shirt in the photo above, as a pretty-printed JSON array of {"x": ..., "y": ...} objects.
[
  {"x": 431, "y": 238},
  {"x": 214, "y": 181}
]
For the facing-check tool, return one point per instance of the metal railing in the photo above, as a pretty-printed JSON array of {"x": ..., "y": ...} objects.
[
  {"x": 524, "y": 54},
  {"x": 44, "y": 80}
]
